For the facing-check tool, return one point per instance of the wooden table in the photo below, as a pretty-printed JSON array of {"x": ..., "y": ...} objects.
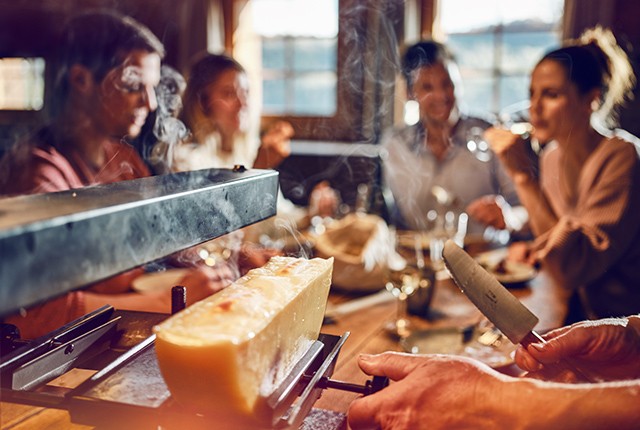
[
  {"x": 367, "y": 336},
  {"x": 541, "y": 296}
]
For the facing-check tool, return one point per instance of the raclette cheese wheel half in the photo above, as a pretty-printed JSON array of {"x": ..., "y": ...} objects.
[{"x": 224, "y": 354}]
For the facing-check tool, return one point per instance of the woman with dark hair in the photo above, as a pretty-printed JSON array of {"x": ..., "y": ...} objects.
[
  {"x": 110, "y": 67},
  {"x": 585, "y": 206},
  {"x": 585, "y": 210}
]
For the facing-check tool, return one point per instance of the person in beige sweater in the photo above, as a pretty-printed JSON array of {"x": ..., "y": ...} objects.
[
  {"x": 584, "y": 210},
  {"x": 584, "y": 207}
]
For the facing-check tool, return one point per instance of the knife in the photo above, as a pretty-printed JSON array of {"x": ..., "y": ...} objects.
[{"x": 495, "y": 302}]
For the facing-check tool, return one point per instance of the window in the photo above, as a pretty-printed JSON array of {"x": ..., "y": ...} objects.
[
  {"x": 21, "y": 84},
  {"x": 496, "y": 44},
  {"x": 316, "y": 63},
  {"x": 299, "y": 55}
]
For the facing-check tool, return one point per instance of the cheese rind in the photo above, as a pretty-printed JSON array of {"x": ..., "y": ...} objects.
[{"x": 227, "y": 352}]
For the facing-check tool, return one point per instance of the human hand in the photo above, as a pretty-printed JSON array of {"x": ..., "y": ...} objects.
[
  {"x": 117, "y": 284},
  {"x": 429, "y": 391},
  {"x": 275, "y": 145},
  {"x": 486, "y": 210},
  {"x": 202, "y": 281},
  {"x": 323, "y": 200},
  {"x": 252, "y": 256},
  {"x": 606, "y": 349},
  {"x": 511, "y": 150},
  {"x": 520, "y": 252}
]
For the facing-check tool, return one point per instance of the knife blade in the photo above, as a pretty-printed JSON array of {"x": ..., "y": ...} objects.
[{"x": 495, "y": 302}]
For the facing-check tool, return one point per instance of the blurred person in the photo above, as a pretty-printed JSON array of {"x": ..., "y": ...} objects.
[
  {"x": 217, "y": 114},
  {"x": 432, "y": 155},
  {"x": 585, "y": 204},
  {"x": 110, "y": 66},
  {"x": 444, "y": 392},
  {"x": 163, "y": 130}
]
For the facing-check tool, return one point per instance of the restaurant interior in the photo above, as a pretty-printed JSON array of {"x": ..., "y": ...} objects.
[{"x": 331, "y": 70}]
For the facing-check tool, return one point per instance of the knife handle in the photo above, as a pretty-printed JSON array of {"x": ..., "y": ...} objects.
[{"x": 533, "y": 336}]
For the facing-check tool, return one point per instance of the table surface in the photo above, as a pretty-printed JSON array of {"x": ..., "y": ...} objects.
[
  {"x": 454, "y": 309},
  {"x": 367, "y": 335}
]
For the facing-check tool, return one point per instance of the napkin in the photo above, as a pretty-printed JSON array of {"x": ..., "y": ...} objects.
[{"x": 360, "y": 246}]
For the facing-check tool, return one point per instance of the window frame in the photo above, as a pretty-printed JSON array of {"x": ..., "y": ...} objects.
[
  {"x": 497, "y": 72},
  {"x": 352, "y": 121}
]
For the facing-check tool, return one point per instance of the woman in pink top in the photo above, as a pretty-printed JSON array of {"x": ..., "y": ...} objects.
[
  {"x": 584, "y": 208},
  {"x": 111, "y": 65}
]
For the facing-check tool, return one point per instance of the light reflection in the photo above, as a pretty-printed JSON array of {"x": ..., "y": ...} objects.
[
  {"x": 411, "y": 112},
  {"x": 312, "y": 17}
]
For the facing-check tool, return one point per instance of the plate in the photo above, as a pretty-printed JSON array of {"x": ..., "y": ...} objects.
[
  {"x": 507, "y": 272},
  {"x": 452, "y": 341},
  {"x": 158, "y": 281}
]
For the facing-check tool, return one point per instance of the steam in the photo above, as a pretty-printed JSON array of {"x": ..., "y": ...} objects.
[
  {"x": 168, "y": 131},
  {"x": 130, "y": 79}
]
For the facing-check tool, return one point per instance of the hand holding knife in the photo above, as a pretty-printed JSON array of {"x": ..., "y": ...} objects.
[{"x": 495, "y": 302}]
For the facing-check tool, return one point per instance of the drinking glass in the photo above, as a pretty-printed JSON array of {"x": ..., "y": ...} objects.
[
  {"x": 444, "y": 226},
  {"x": 402, "y": 279},
  {"x": 419, "y": 303}
]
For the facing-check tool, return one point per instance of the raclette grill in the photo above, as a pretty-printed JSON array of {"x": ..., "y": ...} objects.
[
  {"x": 126, "y": 385},
  {"x": 112, "y": 349}
]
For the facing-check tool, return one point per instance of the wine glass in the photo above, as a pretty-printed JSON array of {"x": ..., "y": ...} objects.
[
  {"x": 402, "y": 279},
  {"x": 443, "y": 226}
]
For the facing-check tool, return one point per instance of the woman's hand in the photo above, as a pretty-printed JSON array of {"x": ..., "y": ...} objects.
[
  {"x": 202, "y": 281},
  {"x": 521, "y": 252},
  {"x": 606, "y": 349},
  {"x": 487, "y": 211},
  {"x": 275, "y": 145},
  {"x": 512, "y": 152},
  {"x": 252, "y": 256}
]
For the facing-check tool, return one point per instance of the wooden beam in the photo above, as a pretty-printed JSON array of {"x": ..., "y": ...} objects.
[
  {"x": 228, "y": 12},
  {"x": 427, "y": 15}
]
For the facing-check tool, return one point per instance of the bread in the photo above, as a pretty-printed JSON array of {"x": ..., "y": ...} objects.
[{"x": 226, "y": 353}]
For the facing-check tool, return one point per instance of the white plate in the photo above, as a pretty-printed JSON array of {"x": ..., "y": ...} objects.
[
  {"x": 158, "y": 281},
  {"x": 511, "y": 272},
  {"x": 451, "y": 341}
]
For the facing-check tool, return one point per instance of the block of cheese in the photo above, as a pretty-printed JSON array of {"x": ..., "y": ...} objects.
[{"x": 223, "y": 355}]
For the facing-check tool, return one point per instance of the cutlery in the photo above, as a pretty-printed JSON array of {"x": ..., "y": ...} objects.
[{"x": 495, "y": 302}]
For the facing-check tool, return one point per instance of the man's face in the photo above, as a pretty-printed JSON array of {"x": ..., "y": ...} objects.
[
  {"x": 433, "y": 89},
  {"x": 126, "y": 95}
]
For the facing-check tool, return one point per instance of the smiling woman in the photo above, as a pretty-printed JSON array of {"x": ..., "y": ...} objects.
[
  {"x": 126, "y": 96},
  {"x": 585, "y": 205}
]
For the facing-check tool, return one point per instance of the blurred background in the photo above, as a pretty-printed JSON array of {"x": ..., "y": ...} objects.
[{"x": 327, "y": 66}]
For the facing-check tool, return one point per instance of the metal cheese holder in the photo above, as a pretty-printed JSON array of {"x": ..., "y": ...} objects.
[{"x": 54, "y": 243}]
